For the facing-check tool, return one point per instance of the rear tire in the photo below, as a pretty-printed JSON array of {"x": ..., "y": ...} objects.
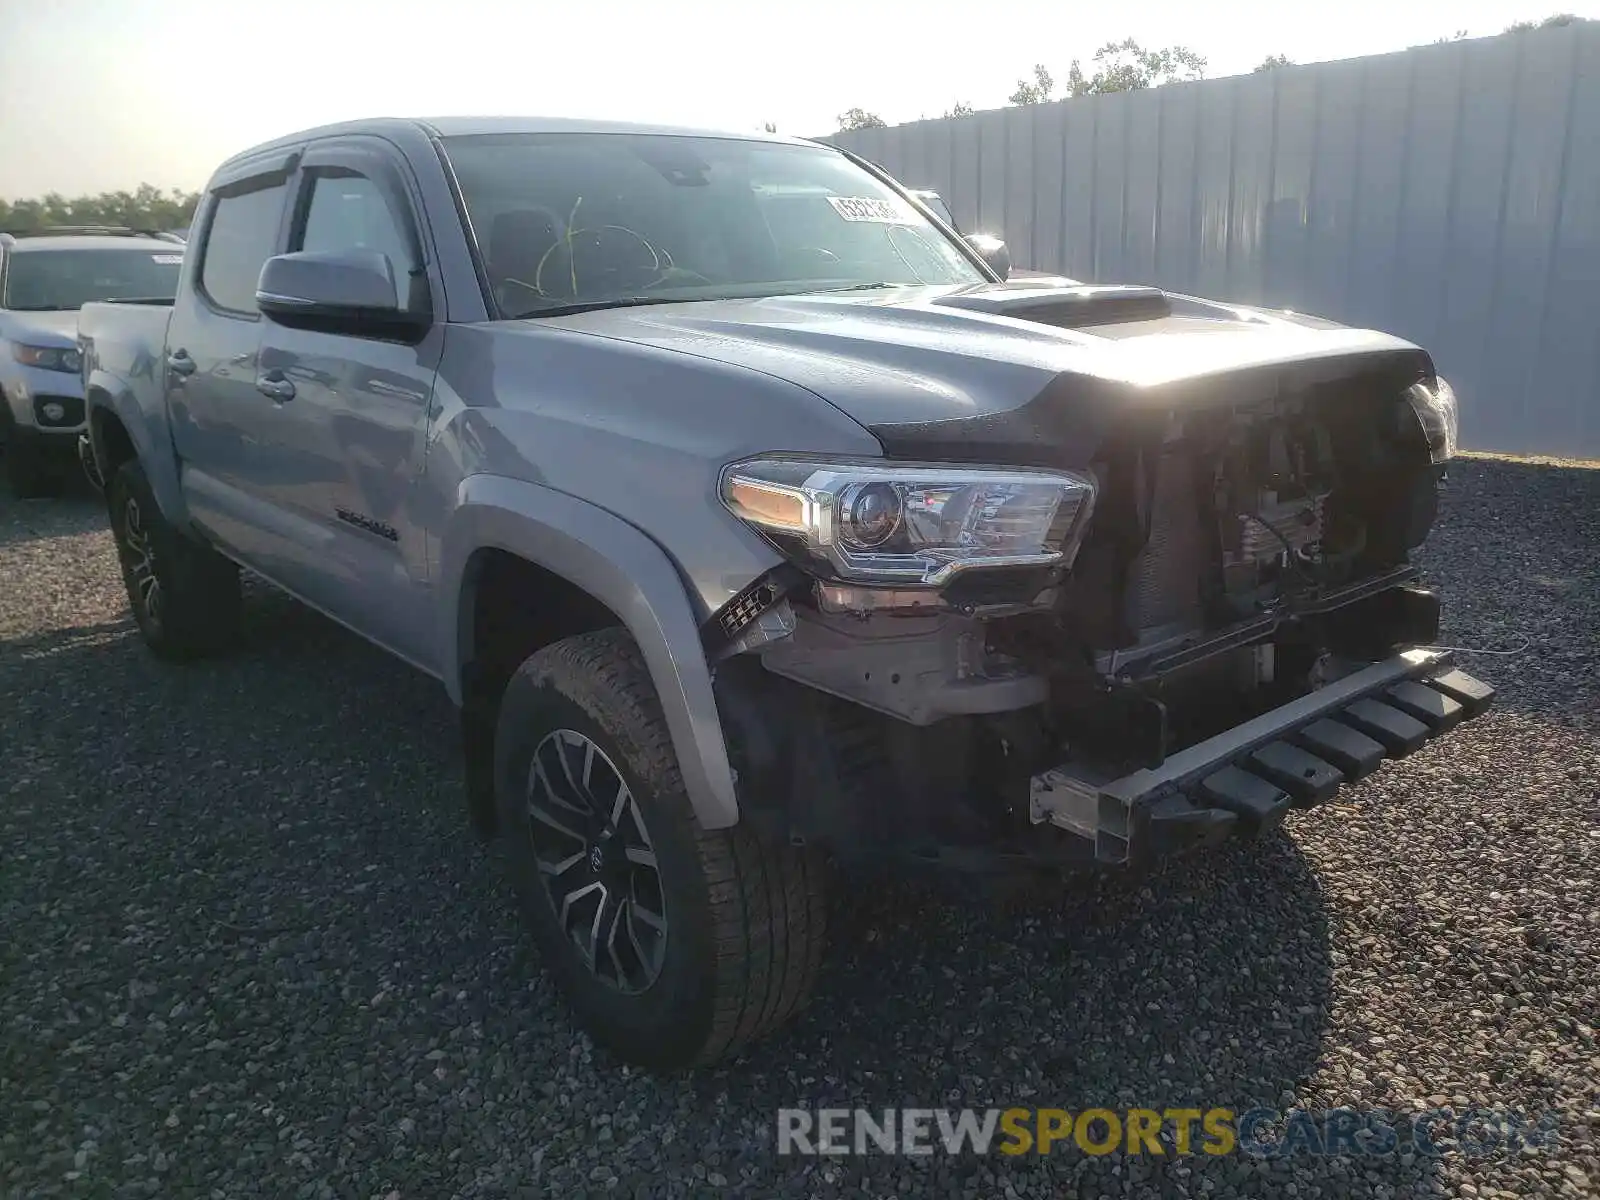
[
  {"x": 184, "y": 596},
  {"x": 742, "y": 921}
]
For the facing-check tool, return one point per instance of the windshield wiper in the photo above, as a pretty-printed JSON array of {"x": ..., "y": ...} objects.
[
  {"x": 865, "y": 287},
  {"x": 582, "y": 306}
]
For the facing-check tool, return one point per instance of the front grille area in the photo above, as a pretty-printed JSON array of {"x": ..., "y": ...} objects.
[
  {"x": 1164, "y": 584},
  {"x": 71, "y": 407}
]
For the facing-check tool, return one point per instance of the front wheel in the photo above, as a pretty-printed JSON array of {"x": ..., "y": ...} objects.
[
  {"x": 185, "y": 597},
  {"x": 672, "y": 944}
]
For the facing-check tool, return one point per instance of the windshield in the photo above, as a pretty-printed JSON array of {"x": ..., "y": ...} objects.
[
  {"x": 565, "y": 219},
  {"x": 60, "y": 280}
]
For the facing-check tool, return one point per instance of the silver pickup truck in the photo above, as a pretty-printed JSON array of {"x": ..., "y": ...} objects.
[{"x": 757, "y": 524}]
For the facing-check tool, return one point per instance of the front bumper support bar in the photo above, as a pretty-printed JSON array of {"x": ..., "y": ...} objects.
[{"x": 1244, "y": 780}]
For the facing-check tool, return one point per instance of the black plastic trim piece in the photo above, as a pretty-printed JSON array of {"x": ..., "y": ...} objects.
[
  {"x": 1473, "y": 694},
  {"x": 1352, "y": 751},
  {"x": 1433, "y": 708},
  {"x": 1302, "y": 774},
  {"x": 1399, "y": 732},
  {"x": 724, "y": 626},
  {"x": 1257, "y": 802}
]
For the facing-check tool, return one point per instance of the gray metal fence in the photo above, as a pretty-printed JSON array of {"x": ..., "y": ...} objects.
[{"x": 1448, "y": 194}]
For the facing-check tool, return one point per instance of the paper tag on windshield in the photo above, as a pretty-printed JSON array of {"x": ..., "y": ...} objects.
[
  {"x": 167, "y": 260},
  {"x": 867, "y": 208}
]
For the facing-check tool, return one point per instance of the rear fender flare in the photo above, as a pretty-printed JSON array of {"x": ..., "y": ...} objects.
[
  {"x": 149, "y": 433},
  {"x": 626, "y": 571}
]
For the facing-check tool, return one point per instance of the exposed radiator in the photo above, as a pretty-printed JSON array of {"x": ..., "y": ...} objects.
[{"x": 1297, "y": 522}]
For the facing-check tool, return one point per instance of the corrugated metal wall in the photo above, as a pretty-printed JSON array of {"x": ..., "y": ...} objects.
[{"x": 1448, "y": 194}]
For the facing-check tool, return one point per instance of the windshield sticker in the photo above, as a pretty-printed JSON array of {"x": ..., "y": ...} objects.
[
  {"x": 867, "y": 208},
  {"x": 167, "y": 260}
]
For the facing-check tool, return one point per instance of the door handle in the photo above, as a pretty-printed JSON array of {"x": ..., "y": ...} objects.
[
  {"x": 275, "y": 386},
  {"x": 179, "y": 363}
]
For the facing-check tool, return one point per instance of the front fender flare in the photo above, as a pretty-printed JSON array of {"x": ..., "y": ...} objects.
[{"x": 625, "y": 570}]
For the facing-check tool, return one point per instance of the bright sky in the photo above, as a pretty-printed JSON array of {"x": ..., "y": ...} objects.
[{"x": 106, "y": 94}]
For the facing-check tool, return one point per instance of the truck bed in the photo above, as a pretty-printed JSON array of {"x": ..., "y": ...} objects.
[{"x": 127, "y": 340}]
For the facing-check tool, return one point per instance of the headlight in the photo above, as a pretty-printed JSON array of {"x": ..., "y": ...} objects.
[
  {"x": 889, "y": 523},
  {"x": 47, "y": 358},
  {"x": 1436, "y": 410}
]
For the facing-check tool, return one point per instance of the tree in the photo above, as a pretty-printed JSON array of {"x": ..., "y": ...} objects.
[
  {"x": 769, "y": 127},
  {"x": 1460, "y": 35},
  {"x": 1036, "y": 92},
  {"x": 1553, "y": 22},
  {"x": 1127, "y": 66},
  {"x": 146, "y": 207},
  {"x": 1272, "y": 62},
  {"x": 860, "y": 118},
  {"x": 960, "y": 109}
]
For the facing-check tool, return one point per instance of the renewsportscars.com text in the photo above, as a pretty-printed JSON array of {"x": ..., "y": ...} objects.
[{"x": 1258, "y": 1132}]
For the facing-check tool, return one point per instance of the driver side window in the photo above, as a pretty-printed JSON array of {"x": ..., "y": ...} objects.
[{"x": 349, "y": 211}]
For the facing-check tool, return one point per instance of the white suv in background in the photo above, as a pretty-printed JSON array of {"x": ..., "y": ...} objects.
[{"x": 45, "y": 277}]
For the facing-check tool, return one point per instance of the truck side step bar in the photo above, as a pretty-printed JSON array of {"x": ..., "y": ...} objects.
[{"x": 1242, "y": 782}]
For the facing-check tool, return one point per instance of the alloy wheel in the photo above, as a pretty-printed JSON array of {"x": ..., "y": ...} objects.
[
  {"x": 141, "y": 559},
  {"x": 597, "y": 861}
]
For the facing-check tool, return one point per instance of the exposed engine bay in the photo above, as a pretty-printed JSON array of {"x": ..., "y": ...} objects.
[
  {"x": 1240, "y": 555},
  {"x": 1258, "y": 547}
]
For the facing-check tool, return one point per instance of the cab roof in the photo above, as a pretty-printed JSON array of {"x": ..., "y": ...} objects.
[
  {"x": 469, "y": 126},
  {"x": 400, "y": 128}
]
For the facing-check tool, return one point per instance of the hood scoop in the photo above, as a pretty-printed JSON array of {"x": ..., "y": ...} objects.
[{"x": 1066, "y": 307}]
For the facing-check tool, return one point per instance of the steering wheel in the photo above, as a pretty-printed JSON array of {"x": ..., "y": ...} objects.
[{"x": 577, "y": 241}]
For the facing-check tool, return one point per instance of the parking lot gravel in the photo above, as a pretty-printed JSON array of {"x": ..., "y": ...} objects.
[{"x": 250, "y": 947}]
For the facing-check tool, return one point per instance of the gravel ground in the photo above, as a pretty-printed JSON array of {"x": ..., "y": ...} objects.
[{"x": 248, "y": 946}]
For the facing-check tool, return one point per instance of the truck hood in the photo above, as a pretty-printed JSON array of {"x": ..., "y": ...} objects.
[
  {"x": 1024, "y": 368},
  {"x": 42, "y": 328}
]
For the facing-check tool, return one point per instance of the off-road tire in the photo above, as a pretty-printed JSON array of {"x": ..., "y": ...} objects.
[
  {"x": 745, "y": 918},
  {"x": 195, "y": 611}
]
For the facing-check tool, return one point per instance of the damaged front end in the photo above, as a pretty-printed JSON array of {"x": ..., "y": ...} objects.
[{"x": 1185, "y": 610}]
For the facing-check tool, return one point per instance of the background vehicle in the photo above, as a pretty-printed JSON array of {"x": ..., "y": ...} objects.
[
  {"x": 749, "y": 517},
  {"x": 44, "y": 278}
]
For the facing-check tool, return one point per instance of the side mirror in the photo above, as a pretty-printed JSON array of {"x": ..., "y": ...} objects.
[
  {"x": 337, "y": 291},
  {"x": 993, "y": 251}
]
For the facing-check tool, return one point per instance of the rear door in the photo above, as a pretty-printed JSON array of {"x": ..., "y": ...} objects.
[
  {"x": 219, "y": 419},
  {"x": 353, "y": 433}
]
